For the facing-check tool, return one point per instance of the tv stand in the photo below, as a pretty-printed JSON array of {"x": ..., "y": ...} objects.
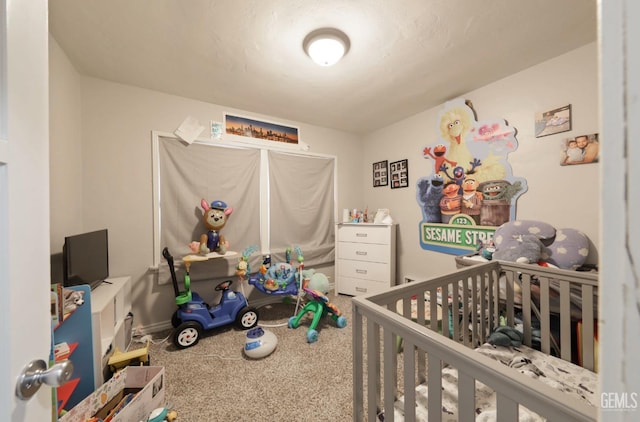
[{"x": 110, "y": 308}]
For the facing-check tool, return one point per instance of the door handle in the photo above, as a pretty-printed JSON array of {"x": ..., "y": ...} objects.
[{"x": 36, "y": 373}]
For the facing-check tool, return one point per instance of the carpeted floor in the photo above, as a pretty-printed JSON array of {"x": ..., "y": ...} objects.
[{"x": 215, "y": 381}]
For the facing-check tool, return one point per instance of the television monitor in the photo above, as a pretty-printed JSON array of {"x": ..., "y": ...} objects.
[{"x": 85, "y": 259}]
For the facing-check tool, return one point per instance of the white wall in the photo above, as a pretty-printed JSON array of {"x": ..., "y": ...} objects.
[
  {"x": 564, "y": 196},
  {"x": 65, "y": 154},
  {"x": 116, "y": 192}
]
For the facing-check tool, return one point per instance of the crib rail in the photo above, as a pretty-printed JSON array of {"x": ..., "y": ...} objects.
[{"x": 471, "y": 301}]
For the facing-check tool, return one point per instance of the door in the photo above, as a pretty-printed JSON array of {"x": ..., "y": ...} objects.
[
  {"x": 25, "y": 329},
  {"x": 620, "y": 201}
]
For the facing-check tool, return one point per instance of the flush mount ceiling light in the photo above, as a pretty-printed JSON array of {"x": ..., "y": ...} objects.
[{"x": 326, "y": 46}]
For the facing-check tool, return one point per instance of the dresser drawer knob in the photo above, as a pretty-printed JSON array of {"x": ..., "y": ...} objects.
[
  {"x": 361, "y": 271},
  {"x": 361, "y": 289},
  {"x": 361, "y": 235},
  {"x": 363, "y": 253}
]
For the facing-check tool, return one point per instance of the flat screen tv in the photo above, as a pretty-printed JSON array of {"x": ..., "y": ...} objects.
[{"x": 85, "y": 258}]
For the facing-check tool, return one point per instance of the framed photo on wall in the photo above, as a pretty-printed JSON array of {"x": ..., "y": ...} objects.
[
  {"x": 553, "y": 121},
  {"x": 260, "y": 129},
  {"x": 399, "y": 174},
  {"x": 380, "y": 174},
  {"x": 583, "y": 149}
]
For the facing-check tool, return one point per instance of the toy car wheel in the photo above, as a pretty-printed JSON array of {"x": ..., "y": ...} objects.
[
  {"x": 187, "y": 334},
  {"x": 247, "y": 318},
  {"x": 312, "y": 336},
  {"x": 341, "y": 322},
  {"x": 291, "y": 322},
  {"x": 175, "y": 320}
]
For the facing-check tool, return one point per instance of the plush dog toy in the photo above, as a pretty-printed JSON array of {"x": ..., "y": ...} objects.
[
  {"x": 72, "y": 299},
  {"x": 214, "y": 218}
]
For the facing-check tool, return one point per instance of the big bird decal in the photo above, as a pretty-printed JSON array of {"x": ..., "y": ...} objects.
[
  {"x": 456, "y": 124},
  {"x": 471, "y": 190}
]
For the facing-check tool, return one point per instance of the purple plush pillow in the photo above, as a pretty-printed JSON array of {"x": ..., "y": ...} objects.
[
  {"x": 569, "y": 250},
  {"x": 506, "y": 235}
]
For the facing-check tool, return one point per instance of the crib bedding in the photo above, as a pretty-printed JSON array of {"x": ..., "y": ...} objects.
[{"x": 567, "y": 378}]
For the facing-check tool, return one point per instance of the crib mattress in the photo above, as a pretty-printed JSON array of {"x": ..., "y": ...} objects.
[{"x": 566, "y": 377}]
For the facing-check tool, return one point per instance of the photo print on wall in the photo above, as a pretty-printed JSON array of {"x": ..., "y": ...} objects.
[
  {"x": 583, "y": 149},
  {"x": 259, "y": 129},
  {"x": 553, "y": 121}
]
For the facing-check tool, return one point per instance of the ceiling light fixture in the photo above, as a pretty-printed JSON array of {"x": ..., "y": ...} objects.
[{"x": 326, "y": 46}]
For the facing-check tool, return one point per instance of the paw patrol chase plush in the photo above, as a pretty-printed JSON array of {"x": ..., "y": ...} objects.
[{"x": 214, "y": 218}]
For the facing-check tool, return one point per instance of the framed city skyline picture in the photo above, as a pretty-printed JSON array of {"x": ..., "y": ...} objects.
[{"x": 260, "y": 129}]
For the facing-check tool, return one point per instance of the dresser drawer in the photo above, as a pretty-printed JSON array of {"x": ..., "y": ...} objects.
[
  {"x": 363, "y": 252},
  {"x": 365, "y": 270},
  {"x": 362, "y": 233},
  {"x": 355, "y": 286}
]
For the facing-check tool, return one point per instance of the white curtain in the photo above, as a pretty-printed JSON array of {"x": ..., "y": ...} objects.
[
  {"x": 300, "y": 201},
  {"x": 189, "y": 173},
  {"x": 301, "y": 191}
]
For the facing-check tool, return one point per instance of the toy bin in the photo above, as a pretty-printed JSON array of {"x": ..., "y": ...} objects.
[{"x": 130, "y": 395}]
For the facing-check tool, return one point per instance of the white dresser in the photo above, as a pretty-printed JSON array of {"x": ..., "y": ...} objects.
[{"x": 365, "y": 258}]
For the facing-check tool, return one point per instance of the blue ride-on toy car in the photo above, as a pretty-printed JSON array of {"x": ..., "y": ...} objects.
[{"x": 194, "y": 316}]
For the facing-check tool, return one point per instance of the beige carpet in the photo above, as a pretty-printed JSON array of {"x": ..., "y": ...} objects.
[{"x": 215, "y": 381}]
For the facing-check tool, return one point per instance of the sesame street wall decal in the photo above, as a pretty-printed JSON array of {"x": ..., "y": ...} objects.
[{"x": 470, "y": 190}]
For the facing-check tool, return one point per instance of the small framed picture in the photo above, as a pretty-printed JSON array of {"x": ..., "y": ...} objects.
[
  {"x": 399, "y": 173},
  {"x": 380, "y": 175},
  {"x": 583, "y": 149},
  {"x": 553, "y": 121}
]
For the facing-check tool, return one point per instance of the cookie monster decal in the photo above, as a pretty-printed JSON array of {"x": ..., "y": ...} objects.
[{"x": 429, "y": 194}]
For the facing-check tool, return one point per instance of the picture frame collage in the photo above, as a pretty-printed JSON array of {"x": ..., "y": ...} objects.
[
  {"x": 396, "y": 173},
  {"x": 399, "y": 171},
  {"x": 380, "y": 174}
]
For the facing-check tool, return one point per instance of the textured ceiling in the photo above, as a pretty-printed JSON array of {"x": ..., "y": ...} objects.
[{"x": 406, "y": 55}]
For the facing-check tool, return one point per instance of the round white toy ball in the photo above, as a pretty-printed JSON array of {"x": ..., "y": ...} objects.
[{"x": 259, "y": 343}]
